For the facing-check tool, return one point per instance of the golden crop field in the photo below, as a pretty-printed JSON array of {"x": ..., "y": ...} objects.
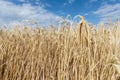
[{"x": 84, "y": 53}]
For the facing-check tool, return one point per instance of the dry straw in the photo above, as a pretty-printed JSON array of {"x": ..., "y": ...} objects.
[{"x": 85, "y": 53}]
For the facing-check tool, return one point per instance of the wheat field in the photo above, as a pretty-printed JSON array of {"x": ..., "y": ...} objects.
[{"x": 84, "y": 53}]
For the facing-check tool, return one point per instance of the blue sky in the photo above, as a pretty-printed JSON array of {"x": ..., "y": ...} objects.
[{"x": 50, "y": 11}]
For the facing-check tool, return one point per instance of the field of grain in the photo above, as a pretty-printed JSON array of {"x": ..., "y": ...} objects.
[{"x": 83, "y": 53}]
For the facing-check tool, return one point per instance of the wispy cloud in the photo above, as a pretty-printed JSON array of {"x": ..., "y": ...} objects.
[
  {"x": 109, "y": 0},
  {"x": 36, "y": 2},
  {"x": 23, "y": 1},
  {"x": 113, "y": 0},
  {"x": 10, "y": 12},
  {"x": 108, "y": 11},
  {"x": 69, "y": 2}
]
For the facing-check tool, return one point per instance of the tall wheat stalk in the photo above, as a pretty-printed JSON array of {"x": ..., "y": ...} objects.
[{"x": 86, "y": 53}]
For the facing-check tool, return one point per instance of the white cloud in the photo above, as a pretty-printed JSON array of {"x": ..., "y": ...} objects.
[
  {"x": 86, "y": 14},
  {"x": 10, "y": 12},
  {"x": 109, "y": 0},
  {"x": 108, "y": 11},
  {"x": 37, "y": 2},
  {"x": 113, "y": 0},
  {"x": 69, "y": 2},
  {"x": 23, "y": 1}
]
